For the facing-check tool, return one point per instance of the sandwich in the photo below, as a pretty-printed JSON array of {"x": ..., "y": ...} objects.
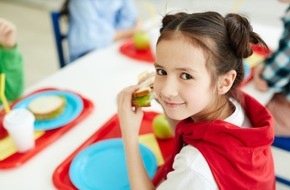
[
  {"x": 143, "y": 96},
  {"x": 47, "y": 107}
]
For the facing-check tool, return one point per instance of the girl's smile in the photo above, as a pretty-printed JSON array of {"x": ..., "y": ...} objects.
[{"x": 173, "y": 104}]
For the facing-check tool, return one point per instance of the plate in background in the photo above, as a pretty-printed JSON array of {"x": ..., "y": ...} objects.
[{"x": 73, "y": 108}]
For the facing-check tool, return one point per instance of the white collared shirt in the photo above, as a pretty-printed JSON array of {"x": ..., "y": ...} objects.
[{"x": 190, "y": 169}]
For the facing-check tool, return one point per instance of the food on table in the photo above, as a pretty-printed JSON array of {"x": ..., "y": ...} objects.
[
  {"x": 161, "y": 127},
  {"x": 141, "y": 40},
  {"x": 47, "y": 107},
  {"x": 143, "y": 96}
]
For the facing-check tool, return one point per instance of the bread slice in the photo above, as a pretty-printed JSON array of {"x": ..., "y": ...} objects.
[
  {"x": 147, "y": 83},
  {"x": 47, "y": 107},
  {"x": 141, "y": 92},
  {"x": 142, "y": 76}
]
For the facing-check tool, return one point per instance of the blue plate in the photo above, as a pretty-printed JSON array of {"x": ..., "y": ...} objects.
[
  {"x": 102, "y": 166},
  {"x": 73, "y": 108}
]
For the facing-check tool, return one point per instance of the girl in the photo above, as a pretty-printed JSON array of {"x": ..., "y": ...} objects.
[{"x": 223, "y": 136}]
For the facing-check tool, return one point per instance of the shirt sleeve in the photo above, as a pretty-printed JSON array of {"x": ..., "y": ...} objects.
[
  {"x": 190, "y": 171},
  {"x": 11, "y": 64},
  {"x": 127, "y": 15},
  {"x": 88, "y": 29},
  {"x": 277, "y": 66}
]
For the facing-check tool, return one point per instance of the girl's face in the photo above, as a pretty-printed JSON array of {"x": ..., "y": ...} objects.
[{"x": 182, "y": 82}]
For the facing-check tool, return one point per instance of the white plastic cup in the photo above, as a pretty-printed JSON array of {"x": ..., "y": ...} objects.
[{"x": 19, "y": 124}]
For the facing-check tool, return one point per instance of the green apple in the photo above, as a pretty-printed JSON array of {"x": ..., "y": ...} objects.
[
  {"x": 161, "y": 127},
  {"x": 141, "y": 40}
]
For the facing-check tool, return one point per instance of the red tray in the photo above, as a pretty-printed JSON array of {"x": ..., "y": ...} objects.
[
  {"x": 128, "y": 49},
  {"x": 260, "y": 50},
  {"x": 109, "y": 130},
  {"x": 47, "y": 138}
]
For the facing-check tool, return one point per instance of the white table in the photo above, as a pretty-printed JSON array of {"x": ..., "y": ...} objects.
[{"x": 98, "y": 76}]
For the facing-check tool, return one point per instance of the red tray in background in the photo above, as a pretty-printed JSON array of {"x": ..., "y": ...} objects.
[
  {"x": 47, "y": 138},
  {"x": 128, "y": 49},
  {"x": 109, "y": 130},
  {"x": 260, "y": 50}
]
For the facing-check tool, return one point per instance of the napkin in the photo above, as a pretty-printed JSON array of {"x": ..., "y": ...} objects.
[
  {"x": 149, "y": 140},
  {"x": 7, "y": 147}
]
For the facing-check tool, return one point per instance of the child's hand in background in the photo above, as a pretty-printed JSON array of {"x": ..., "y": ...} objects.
[{"x": 7, "y": 33}]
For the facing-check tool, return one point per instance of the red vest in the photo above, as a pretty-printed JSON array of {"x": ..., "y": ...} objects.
[{"x": 239, "y": 158}]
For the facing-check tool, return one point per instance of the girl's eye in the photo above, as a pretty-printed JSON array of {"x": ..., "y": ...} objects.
[
  {"x": 186, "y": 76},
  {"x": 160, "y": 72}
]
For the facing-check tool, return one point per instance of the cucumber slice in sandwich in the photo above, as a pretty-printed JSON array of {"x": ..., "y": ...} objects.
[{"x": 143, "y": 96}]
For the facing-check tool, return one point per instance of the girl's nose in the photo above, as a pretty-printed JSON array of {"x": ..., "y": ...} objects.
[{"x": 169, "y": 89}]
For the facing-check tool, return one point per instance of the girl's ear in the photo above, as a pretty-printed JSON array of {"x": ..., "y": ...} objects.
[{"x": 226, "y": 81}]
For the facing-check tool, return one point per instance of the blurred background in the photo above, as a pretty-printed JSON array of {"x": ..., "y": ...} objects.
[{"x": 36, "y": 40}]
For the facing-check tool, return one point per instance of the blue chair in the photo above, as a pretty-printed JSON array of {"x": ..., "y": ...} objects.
[
  {"x": 284, "y": 144},
  {"x": 59, "y": 38}
]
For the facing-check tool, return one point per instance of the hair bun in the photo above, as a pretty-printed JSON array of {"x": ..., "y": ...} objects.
[{"x": 237, "y": 25}]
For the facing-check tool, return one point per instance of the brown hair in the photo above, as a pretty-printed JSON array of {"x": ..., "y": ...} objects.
[
  {"x": 225, "y": 40},
  {"x": 64, "y": 10}
]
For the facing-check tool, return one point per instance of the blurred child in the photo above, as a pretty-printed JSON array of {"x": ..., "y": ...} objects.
[
  {"x": 96, "y": 24},
  {"x": 274, "y": 73},
  {"x": 11, "y": 63},
  {"x": 223, "y": 136}
]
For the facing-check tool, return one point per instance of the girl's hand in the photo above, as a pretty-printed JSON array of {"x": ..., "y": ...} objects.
[
  {"x": 130, "y": 118},
  {"x": 7, "y": 34}
]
